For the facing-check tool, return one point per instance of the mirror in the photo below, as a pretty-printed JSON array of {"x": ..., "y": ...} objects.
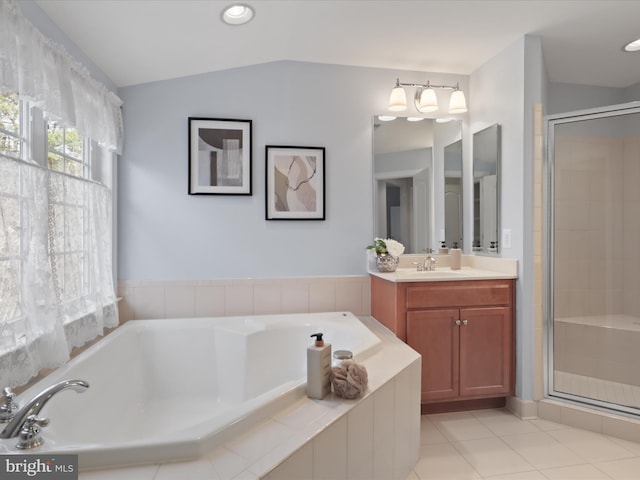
[
  {"x": 409, "y": 182},
  {"x": 453, "y": 194},
  {"x": 486, "y": 193}
]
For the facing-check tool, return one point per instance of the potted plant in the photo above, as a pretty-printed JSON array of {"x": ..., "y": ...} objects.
[{"x": 387, "y": 252}]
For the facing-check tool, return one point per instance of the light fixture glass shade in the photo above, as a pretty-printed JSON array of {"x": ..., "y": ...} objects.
[
  {"x": 426, "y": 100},
  {"x": 457, "y": 104},
  {"x": 398, "y": 99}
]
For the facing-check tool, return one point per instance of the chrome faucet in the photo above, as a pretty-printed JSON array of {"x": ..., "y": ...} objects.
[
  {"x": 430, "y": 264},
  {"x": 25, "y": 422}
]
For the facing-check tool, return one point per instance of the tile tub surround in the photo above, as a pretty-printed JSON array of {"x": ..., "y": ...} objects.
[
  {"x": 146, "y": 299},
  {"x": 374, "y": 437}
]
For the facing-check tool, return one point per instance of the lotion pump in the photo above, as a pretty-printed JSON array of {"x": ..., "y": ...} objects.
[{"x": 318, "y": 368}]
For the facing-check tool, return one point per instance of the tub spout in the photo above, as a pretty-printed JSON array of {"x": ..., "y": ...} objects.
[{"x": 33, "y": 407}]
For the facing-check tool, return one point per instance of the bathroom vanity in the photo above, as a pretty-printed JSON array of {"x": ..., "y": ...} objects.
[{"x": 462, "y": 322}]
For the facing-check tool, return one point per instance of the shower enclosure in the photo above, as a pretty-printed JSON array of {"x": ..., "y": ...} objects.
[{"x": 592, "y": 256}]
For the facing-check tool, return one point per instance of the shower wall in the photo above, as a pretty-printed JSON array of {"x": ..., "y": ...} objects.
[{"x": 597, "y": 225}]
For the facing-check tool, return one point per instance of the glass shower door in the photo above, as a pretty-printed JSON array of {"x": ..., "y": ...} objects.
[{"x": 593, "y": 256}]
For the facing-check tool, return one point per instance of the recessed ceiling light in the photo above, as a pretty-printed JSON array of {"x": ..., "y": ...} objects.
[
  {"x": 632, "y": 46},
  {"x": 415, "y": 119},
  {"x": 385, "y": 118},
  {"x": 237, "y": 14}
]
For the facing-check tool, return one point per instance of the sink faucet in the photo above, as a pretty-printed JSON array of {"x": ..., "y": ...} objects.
[
  {"x": 430, "y": 263},
  {"x": 25, "y": 422}
]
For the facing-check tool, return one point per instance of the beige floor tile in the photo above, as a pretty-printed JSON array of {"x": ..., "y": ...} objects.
[
  {"x": 575, "y": 472},
  {"x": 412, "y": 476},
  {"x": 460, "y": 426},
  {"x": 429, "y": 434},
  {"x": 492, "y": 456},
  {"x": 590, "y": 446},
  {"x": 547, "y": 425},
  {"x": 627, "y": 469},
  {"x": 443, "y": 462},
  {"x": 503, "y": 422},
  {"x": 631, "y": 446},
  {"x": 518, "y": 476},
  {"x": 495, "y": 445},
  {"x": 542, "y": 451}
]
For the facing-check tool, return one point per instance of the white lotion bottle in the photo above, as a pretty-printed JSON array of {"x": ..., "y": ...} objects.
[{"x": 318, "y": 368}]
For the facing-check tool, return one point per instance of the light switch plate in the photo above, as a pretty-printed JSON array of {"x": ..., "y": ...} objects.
[{"x": 506, "y": 238}]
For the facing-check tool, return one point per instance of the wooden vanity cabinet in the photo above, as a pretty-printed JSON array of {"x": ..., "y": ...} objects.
[{"x": 464, "y": 331}]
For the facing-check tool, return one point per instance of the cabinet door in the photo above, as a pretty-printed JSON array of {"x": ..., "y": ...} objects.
[
  {"x": 435, "y": 335},
  {"x": 486, "y": 352}
]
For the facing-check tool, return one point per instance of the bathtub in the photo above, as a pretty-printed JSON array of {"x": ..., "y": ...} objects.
[
  {"x": 168, "y": 390},
  {"x": 599, "y": 346}
]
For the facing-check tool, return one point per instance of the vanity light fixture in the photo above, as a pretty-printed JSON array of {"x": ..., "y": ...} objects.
[
  {"x": 415, "y": 119},
  {"x": 237, "y": 14},
  {"x": 632, "y": 46},
  {"x": 425, "y": 98},
  {"x": 386, "y": 118}
]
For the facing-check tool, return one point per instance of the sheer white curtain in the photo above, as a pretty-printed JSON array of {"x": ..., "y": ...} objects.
[
  {"x": 56, "y": 283},
  {"x": 42, "y": 72},
  {"x": 55, "y": 274}
]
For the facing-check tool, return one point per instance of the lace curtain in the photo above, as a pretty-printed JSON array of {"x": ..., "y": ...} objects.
[
  {"x": 43, "y": 73},
  {"x": 55, "y": 267},
  {"x": 56, "y": 281}
]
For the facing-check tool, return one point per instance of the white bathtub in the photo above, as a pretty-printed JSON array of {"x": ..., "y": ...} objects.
[{"x": 166, "y": 390}]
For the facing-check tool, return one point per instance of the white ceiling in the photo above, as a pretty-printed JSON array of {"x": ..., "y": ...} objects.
[{"x": 139, "y": 41}]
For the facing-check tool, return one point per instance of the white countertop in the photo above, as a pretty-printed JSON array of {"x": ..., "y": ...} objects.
[{"x": 474, "y": 267}]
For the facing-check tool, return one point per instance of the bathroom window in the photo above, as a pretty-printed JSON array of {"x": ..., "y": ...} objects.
[
  {"x": 12, "y": 133},
  {"x": 67, "y": 150}
]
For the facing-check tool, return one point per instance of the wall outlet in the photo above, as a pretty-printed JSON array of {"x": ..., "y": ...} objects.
[{"x": 506, "y": 238}]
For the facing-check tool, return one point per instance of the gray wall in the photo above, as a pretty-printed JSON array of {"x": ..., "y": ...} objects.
[
  {"x": 504, "y": 91},
  {"x": 165, "y": 234}
]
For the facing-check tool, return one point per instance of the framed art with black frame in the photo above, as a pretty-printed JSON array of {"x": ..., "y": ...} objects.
[
  {"x": 219, "y": 156},
  {"x": 295, "y": 185}
]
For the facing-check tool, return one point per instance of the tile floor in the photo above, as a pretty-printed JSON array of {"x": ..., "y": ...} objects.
[{"x": 494, "y": 444}]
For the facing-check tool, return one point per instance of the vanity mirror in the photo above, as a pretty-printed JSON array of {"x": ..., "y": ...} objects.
[
  {"x": 486, "y": 191},
  {"x": 411, "y": 160}
]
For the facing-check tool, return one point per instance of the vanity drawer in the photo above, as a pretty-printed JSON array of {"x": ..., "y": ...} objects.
[{"x": 460, "y": 294}]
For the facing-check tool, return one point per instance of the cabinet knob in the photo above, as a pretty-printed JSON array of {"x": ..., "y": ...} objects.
[
  {"x": 465, "y": 322},
  {"x": 458, "y": 322}
]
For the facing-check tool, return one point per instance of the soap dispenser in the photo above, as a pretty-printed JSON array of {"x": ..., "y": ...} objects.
[
  {"x": 444, "y": 250},
  {"x": 456, "y": 257},
  {"x": 318, "y": 368}
]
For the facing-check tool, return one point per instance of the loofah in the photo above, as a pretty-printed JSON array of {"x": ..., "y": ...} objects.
[{"x": 349, "y": 380}]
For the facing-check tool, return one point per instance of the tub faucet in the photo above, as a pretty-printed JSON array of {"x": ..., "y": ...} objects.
[{"x": 25, "y": 423}]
